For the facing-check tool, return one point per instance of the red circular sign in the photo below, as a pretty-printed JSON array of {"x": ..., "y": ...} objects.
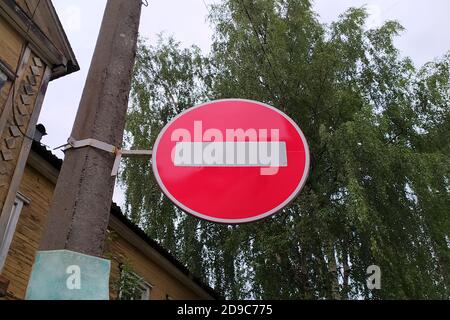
[{"x": 231, "y": 161}]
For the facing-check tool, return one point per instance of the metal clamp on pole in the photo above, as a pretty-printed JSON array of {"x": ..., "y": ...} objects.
[{"x": 76, "y": 144}]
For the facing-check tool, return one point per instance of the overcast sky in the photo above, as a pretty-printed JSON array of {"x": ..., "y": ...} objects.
[{"x": 426, "y": 37}]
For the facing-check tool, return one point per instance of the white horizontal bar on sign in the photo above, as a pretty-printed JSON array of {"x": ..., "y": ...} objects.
[{"x": 230, "y": 154}]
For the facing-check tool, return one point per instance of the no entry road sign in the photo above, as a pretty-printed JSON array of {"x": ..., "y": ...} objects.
[{"x": 231, "y": 161}]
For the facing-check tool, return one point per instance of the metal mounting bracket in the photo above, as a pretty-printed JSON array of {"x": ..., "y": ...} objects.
[{"x": 76, "y": 144}]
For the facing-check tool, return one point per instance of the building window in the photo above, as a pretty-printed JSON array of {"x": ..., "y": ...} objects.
[
  {"x": 3, "y": 79},
  {"x": 132, "y": 286},
  {"x": 8, "y": 223},
  {"x": 6, "y": 74}
]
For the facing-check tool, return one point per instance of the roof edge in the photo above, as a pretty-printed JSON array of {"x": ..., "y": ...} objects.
[
  {"x": 72, "y": 64},
  {"x": 62, "y": 63}
]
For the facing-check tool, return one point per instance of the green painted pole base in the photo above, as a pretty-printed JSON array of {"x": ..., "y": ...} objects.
[{"x": 68, "y": 275}]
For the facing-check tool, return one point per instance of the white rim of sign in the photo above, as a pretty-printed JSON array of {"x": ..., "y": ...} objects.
[{"x": 232, "y": 221}]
